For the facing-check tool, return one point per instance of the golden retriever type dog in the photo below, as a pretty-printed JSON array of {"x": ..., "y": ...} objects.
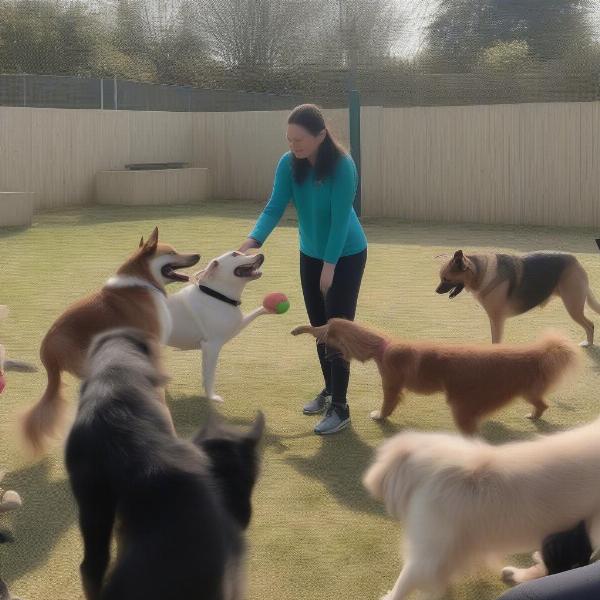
[
  {"x": 463, "y": 501},
  {"x": 476, "y": 379}
]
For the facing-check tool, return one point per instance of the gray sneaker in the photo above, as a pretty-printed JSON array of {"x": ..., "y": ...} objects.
[
  {"x": 318, "y": 405},
  {"x": 335, "y": 419}
]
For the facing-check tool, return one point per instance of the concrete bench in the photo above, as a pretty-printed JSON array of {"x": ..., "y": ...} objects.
[
  {"x": 155, "y": 166},
  {"x": 152, "y": 187},
  {"x": 16, "y": 209}
]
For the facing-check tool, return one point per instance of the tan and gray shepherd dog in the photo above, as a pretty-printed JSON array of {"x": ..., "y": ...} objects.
[{"x": 507, "y": 285}]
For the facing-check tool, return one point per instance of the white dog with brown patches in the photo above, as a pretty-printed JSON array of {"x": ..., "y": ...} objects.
[
  {"x": 134, "y": 297},
  {"x": 207, "y": 314},
  {"x": 462, "y": 501}
]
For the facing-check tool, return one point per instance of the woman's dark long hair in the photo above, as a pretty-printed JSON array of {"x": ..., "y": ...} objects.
[{"x": 311, "y": 118}]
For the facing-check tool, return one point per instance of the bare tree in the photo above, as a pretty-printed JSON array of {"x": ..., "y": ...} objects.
[{"x": 255, "y": 34}]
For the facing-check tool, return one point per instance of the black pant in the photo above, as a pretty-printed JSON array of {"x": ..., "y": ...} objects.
[
  {"x": 340, "y": 302},
  {"x": 578, "y": 584}
]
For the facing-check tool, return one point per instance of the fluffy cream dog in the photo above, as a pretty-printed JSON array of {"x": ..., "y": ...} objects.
[{"x": 463, "y": 501}]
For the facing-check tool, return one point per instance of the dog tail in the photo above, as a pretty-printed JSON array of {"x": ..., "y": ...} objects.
[
  {"x": 402, "y": 463},
  {"x": 412, "y": 459},
  {"x": 390, "y": 478},
  {"x": 45, "y": 418},
  {"x": 559, "y": 356},
  {"x": 592, "y": 302}
]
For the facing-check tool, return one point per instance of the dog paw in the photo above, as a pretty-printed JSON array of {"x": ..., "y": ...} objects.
[
  {"x": 376, "y": 415},
  {"x": 537, "y": 558},
  {"x": 216, "y": 398},
  {"x": 10, "y": 501},
  {"x": 585, "y": 344}
]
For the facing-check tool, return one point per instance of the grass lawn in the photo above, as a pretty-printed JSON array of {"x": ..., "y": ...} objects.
[{"x": 315, "y": 533}]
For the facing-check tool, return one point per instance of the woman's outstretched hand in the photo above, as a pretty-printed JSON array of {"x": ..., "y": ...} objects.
[
  {"x": 248, "y": 245},
  {"x": 326, "y": 277}
]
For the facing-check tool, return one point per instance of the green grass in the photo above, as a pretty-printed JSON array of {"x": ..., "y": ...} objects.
[{"x": 315, "y": 533}]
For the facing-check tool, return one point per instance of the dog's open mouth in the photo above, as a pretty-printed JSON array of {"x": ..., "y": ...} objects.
[
  {"x": 168, "y": 271},
  {"x": 251, "y": 270},
  {"x": 454, "y": 288}
]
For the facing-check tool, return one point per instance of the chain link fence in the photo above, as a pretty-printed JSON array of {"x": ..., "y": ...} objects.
[
  {"x": 50, "y": 91},
  {"x": 407, "y": 89}
]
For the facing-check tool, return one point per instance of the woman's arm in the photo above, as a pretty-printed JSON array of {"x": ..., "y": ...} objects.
[
  {"x": 343, "y": 193},
  {"x": 273, "y": 211}
]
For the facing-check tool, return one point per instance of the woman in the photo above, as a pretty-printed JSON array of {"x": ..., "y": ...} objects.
[{"x": 320, "y": 178}]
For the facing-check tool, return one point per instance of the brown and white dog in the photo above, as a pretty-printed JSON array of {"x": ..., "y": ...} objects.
[
  {"x": 507, "y": 285},
  {"x": 476, "y": 379},
  {"x": 134, "y": 297}
]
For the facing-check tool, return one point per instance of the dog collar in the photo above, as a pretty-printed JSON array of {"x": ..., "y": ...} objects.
[{"x": 210, "y": 292}]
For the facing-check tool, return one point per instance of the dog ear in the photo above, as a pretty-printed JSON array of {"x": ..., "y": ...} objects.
[
  {"x": 208, "y": 272},
  {"x": 150, "y": 246},
  {"x": 257, "y": 429},
  {"x": 459, "y": 260}
]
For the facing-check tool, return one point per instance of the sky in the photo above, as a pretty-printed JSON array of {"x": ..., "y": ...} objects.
[{"x": 418, "y": 13}]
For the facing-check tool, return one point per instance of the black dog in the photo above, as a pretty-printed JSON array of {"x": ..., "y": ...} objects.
[
  {"x": 5, "y": 538},
  {"x": 181, "y": 507}
]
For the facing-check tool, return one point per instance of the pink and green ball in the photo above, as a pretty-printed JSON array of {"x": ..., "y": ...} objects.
[{"x": 276, "y": 302}]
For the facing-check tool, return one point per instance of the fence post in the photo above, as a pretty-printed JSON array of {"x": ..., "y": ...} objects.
[{"x": 354, "y": 110}]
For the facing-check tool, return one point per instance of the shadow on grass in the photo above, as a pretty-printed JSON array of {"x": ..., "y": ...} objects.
[
  {"x": 225, "y": 209},
  {"x": 594, "y": 353},
  {"x": 191, "y": 412},
  {"x": 498, "y": 433},
  {"x": 468, "y": 236},
  {"x": 445, "y": 236},
  {"x": 48, "y": 511},
  {"x": 339, "y": 465},
  {"x": 7, "y": 232}
]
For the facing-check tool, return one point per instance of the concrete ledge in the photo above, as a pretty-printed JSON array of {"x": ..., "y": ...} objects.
[
  {"x": 154, "y": 187},
  {"x": 16, "y": 209}
]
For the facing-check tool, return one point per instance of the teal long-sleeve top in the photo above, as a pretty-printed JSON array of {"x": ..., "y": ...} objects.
[{"x": 327, "y": 222}]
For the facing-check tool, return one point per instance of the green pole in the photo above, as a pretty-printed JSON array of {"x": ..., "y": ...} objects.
[{"x": 354, "y": 114}]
